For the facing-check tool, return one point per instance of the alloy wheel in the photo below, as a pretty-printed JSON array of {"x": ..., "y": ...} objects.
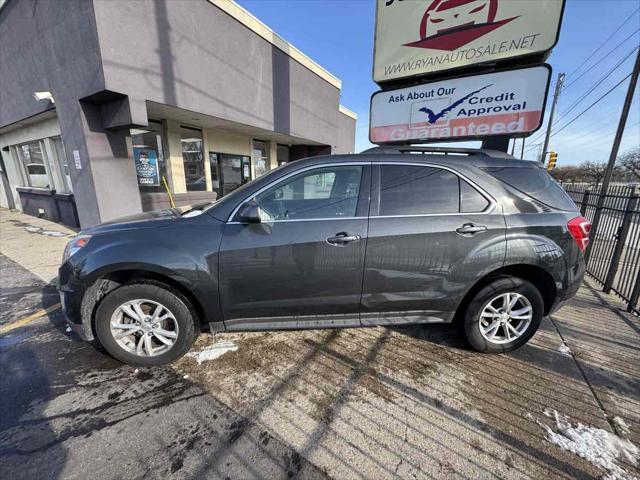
[
  {"x": 144, "y": 327},
  {"x": 505, "y": 318}
]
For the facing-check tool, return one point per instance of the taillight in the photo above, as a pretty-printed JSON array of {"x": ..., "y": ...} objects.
[{"x": 579, "y": 229}]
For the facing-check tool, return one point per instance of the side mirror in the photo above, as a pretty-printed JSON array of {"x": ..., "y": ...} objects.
[{"x": 249, "y": 213}]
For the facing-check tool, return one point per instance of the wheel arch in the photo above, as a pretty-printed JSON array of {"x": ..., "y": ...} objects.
[
  {"x": 104, "y": 282},
  {"x": 534, "y": 274}
]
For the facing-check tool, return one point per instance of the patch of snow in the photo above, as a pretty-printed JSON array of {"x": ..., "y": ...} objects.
[
  {"x": 528, "y": 416},
  {"x": 564, "y": 349},
  {"x": 601, "y": 448},
  {"x": 32, "y": 229},
  {"x": 68, "y": 329},
  {"x": 213, "y": 351},
  {"x": 621, "y": 425},
  {"x": 53, "y": 233}
]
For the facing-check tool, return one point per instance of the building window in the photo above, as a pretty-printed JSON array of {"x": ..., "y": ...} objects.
[
  {"x": 32, "y": 159},
  {"x": 260, "y": 158},
  {"x": 63, "y": 164},
  {"x": 193, "y": 158},
  {"x": 148, "y": 155},
  {"x": 228, "y": 172},
  {"x": 283, "y": 152}
]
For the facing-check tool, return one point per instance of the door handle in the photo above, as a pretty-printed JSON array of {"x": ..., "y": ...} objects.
[
  {"x": 342, "y": 238},
  {"x": 470, "y": 229}
]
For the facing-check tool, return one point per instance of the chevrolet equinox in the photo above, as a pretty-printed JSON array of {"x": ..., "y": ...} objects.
[{"x": 391, "y": 236}]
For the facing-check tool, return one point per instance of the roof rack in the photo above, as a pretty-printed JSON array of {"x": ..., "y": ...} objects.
[{"x": 395, "y": 149}]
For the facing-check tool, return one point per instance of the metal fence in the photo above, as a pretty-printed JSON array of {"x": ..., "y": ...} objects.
[{"x": 614, "y": 255}]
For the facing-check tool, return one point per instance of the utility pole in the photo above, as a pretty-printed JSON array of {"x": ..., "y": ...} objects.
[
  {"x": 522, "y": 149},
  {"x": 614, "y": 151},
  {"x": 556, "y": 94}
]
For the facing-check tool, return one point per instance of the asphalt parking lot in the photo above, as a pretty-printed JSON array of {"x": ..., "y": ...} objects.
[{"x": 375, "y": 403}]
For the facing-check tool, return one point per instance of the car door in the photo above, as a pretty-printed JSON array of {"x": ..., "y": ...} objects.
[
  {"x": 431, "y": 235},
  {"x": 302, "y": 265}
]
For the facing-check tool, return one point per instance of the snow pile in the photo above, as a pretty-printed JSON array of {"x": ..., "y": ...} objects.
[
  {"x": 213, "y": 351},
  {"x": 564, "y": 349},
  {"x": 621, "y": 425},
  {"x": 598, "y": 446}
]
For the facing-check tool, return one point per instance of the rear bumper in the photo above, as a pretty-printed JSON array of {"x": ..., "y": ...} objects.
[{"x": 571, "y": 285}]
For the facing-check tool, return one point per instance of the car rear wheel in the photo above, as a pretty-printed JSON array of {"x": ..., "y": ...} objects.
[
  {"x": 503, "y": 315},
  {"x": 145, "y": 324}
]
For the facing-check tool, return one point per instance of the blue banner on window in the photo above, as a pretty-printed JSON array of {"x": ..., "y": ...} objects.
[{"x": 146, "y": 167}]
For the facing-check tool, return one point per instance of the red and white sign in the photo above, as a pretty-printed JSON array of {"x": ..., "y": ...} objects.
[
  {"x": 503, "y": 103},
  {"x": 417, "y": 37}
]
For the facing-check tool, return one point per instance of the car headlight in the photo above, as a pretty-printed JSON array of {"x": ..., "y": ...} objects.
[{"x": 75, "y": 244}]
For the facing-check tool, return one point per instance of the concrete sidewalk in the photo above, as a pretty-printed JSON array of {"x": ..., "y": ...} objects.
[
  {"x": 34, "y": 243},
  {"x": 409, "y": 402}
]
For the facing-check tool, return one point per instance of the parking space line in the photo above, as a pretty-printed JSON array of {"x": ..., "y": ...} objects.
[{"x": 34, "y": 316}]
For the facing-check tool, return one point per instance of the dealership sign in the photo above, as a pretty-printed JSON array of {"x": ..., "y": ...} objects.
[
  {"x": 502, "y": 103},
  {"x": 418, "y": 37}
]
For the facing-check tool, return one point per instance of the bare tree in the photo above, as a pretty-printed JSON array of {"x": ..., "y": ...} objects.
[
  {"x": 594, "y": 171},
  {"x": 568, "y": 174},
  {"x": 629, "y": 162}
]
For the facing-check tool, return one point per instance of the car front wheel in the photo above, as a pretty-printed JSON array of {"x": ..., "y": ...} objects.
[
  {"x": 145, "y": 324},
  {"x": 503, "y": 315}
]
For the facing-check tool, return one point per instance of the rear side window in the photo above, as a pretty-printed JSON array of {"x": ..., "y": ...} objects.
[{"x": 535, "y": 183}]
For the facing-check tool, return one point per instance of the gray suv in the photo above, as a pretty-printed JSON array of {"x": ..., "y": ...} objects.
[{"x": 390, "y": 236}]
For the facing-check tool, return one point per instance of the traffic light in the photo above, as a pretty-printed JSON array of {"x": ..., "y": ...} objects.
[{"x": 553, "y": 158}]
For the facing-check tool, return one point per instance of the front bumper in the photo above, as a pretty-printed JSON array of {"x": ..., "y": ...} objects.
[{"x": 71, "y": 294}]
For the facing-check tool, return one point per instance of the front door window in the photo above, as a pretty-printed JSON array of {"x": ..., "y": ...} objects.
[{"x": 330, "y": 192}]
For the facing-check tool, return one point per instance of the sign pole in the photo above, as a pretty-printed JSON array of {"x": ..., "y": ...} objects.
[
  {"x": 614, "y": 151},
  {"x": 522, "y": 149},
  {"x": 556, "y": 94}
]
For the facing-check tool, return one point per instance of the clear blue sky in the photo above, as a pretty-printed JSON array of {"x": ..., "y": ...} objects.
[{"x": 338, "y": 34}]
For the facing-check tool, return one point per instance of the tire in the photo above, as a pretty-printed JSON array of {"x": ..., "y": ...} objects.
[
  {"x": 504, "y": 337},
  {"x": 176, "y": 322}
]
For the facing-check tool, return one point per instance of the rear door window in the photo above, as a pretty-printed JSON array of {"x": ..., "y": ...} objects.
[
  {"x": 415, "y": 190},
  {"x": 536, "y": 183}
]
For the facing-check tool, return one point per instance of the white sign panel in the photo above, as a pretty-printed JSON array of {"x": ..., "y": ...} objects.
[
  {"x": 417, "y": 37},
  {"x": 76, "y": 159},
  {"x": 503, "y": 103}
]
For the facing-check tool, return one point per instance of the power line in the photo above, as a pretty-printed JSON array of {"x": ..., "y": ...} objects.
[
  {"x": 541, "y": 134},
  {"x": 606, "y": 55},
  {"x": 588, "y": 92},
  {"x": 591, "y": 106},
  {"x": 596, "y": 85},
  {"x": 605, "y": 42}
]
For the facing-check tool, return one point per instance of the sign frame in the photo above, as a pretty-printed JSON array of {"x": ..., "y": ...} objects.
[
  {"x": 471, "y": 137},
  {"x": 538, "y": 57}
]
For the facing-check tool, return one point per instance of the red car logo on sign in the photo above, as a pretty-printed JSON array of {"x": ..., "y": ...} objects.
[{"x": 450, "y": 24}]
